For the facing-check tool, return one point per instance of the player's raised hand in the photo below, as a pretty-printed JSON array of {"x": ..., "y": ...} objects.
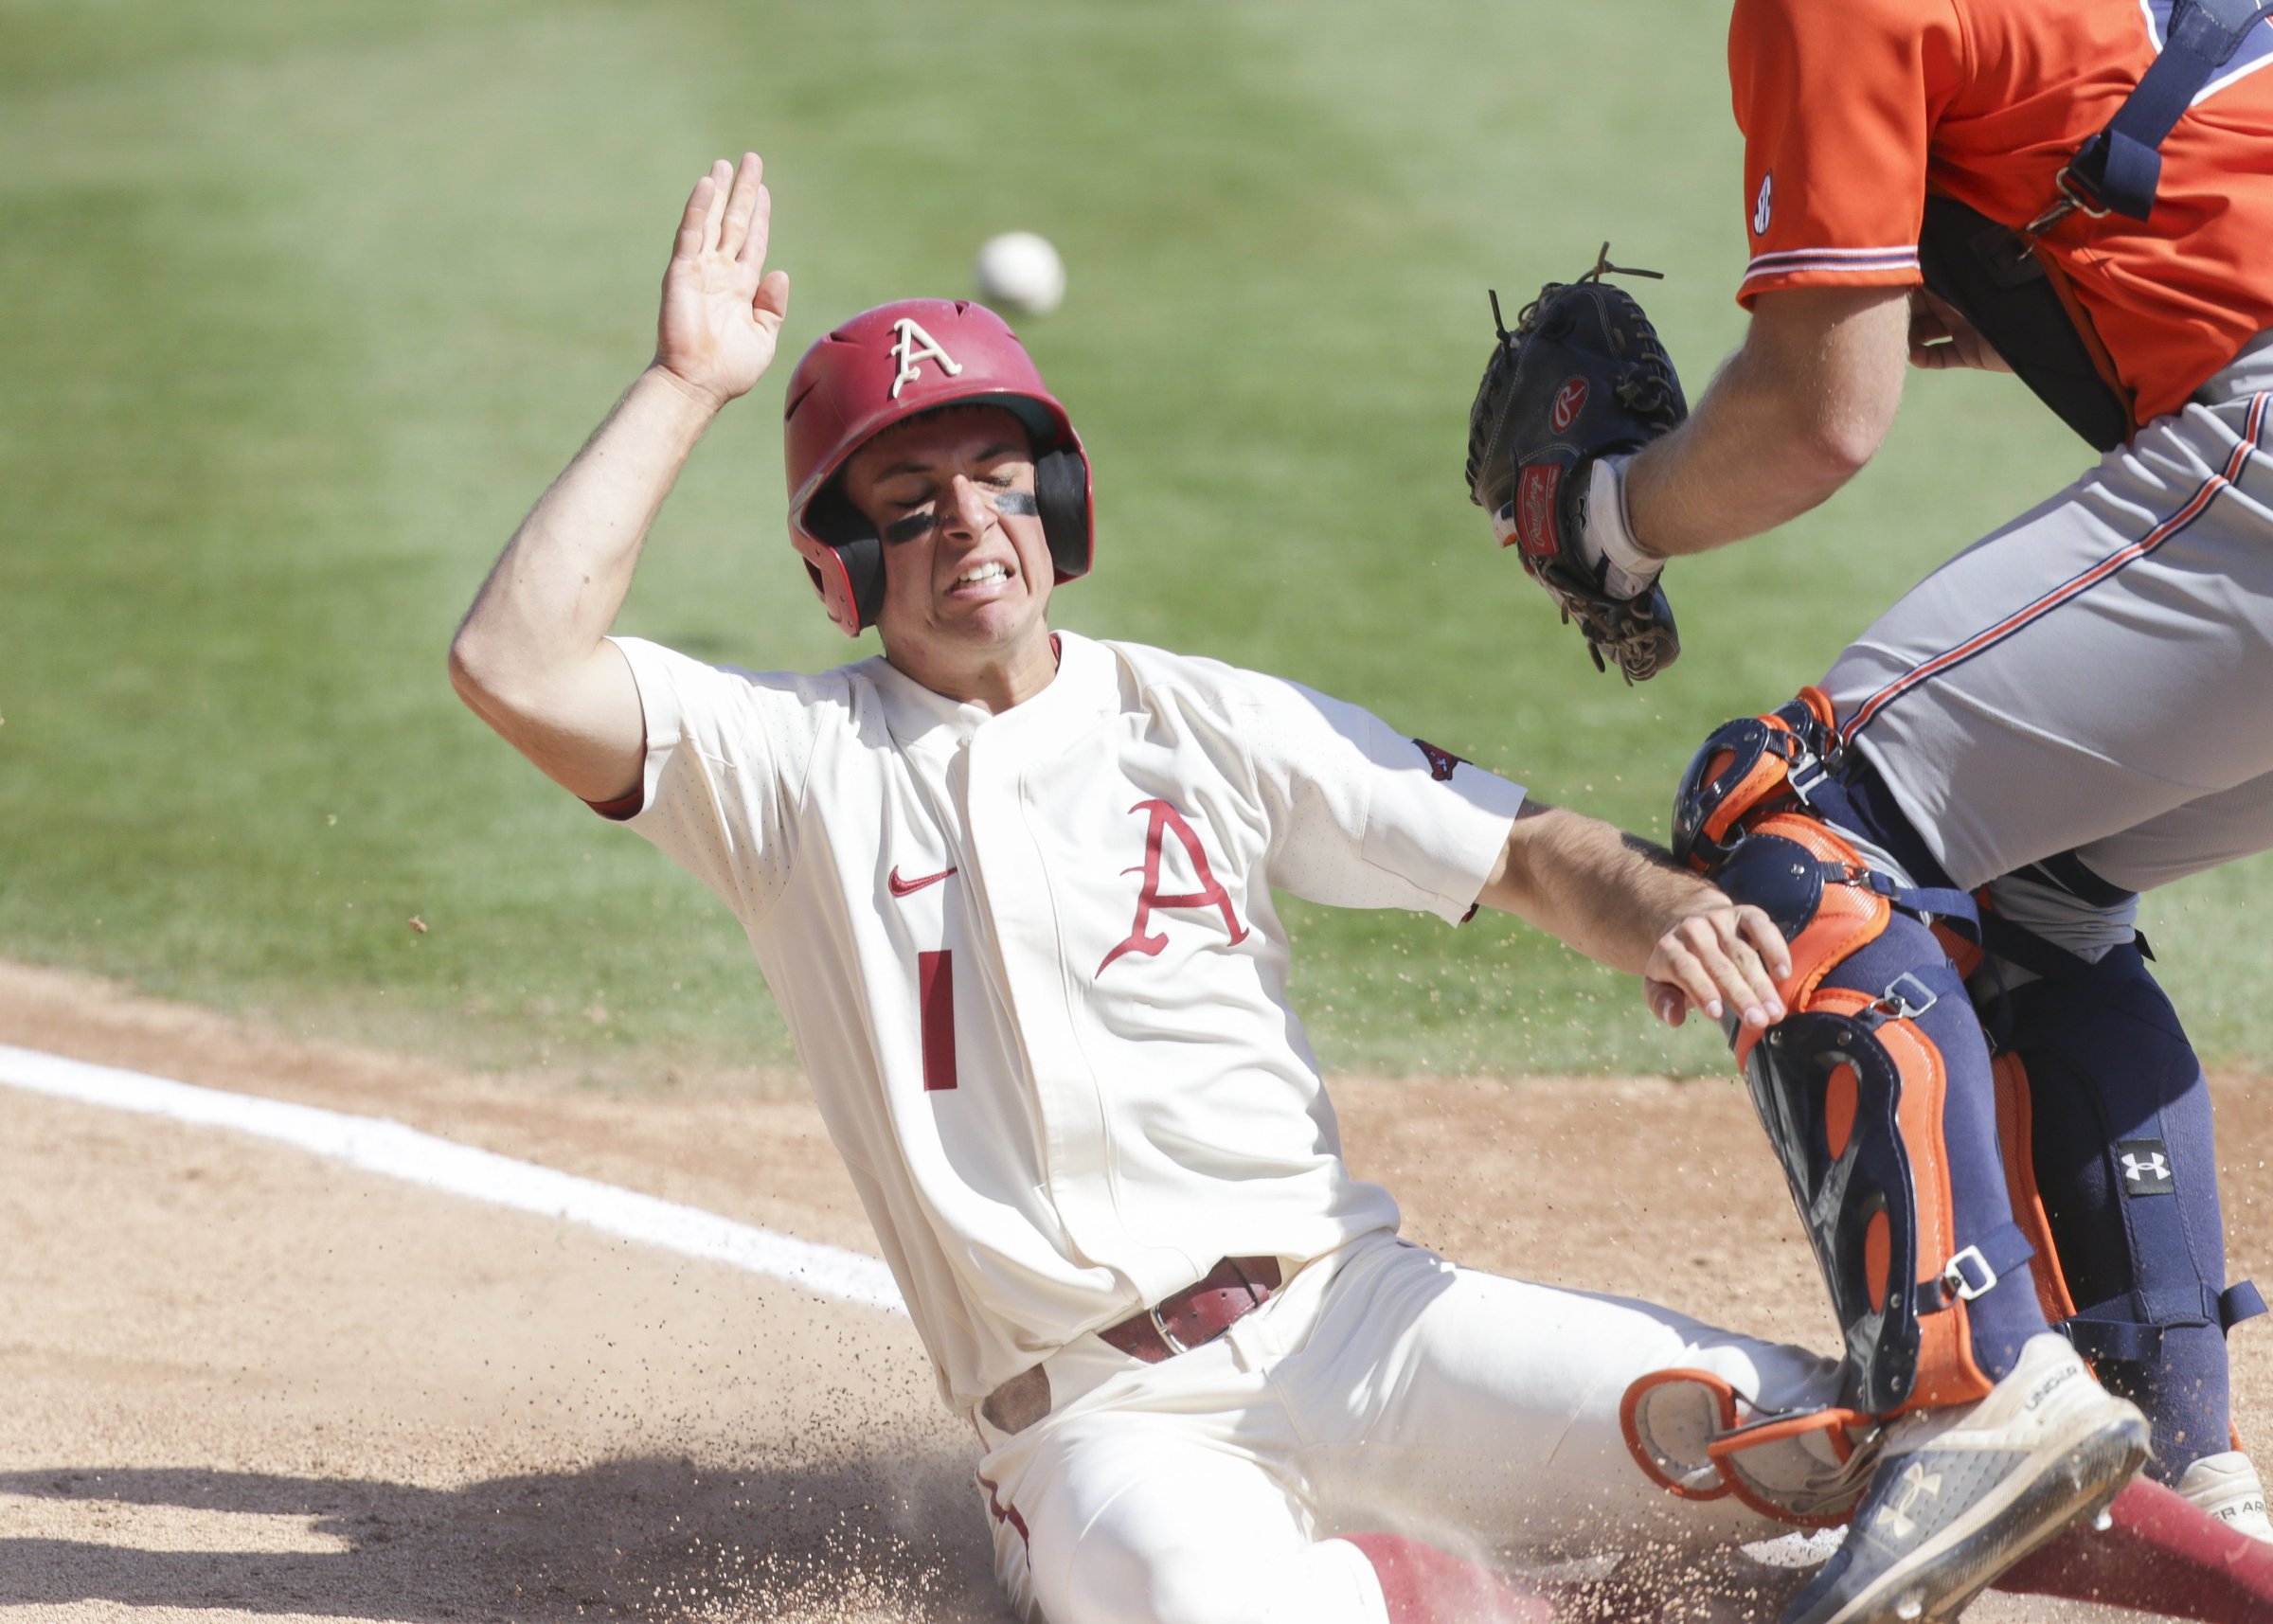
[
  {"x": 722, "y": 309},
  {"x": 1724, "y": 955}
]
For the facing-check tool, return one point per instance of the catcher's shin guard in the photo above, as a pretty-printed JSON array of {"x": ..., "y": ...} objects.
[
  {"x": 2111, "y": 1148},
  {"x": 1876, "y": 1091}
]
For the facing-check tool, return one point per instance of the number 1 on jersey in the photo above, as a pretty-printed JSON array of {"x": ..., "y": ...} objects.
[{"x": 934, "y": 999}]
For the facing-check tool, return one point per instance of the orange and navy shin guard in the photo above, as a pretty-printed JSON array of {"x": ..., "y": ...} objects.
[{"x": 1876, "y": 1090}]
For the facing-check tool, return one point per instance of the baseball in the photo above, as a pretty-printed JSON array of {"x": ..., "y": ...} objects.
[{"x": 1020, "y": 271}]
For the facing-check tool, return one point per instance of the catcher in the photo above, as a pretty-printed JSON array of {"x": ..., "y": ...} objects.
[{"x": 2063, "y": 716}]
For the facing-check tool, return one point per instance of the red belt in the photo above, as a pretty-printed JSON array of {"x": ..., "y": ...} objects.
[
  {"x": 1176, "y": 1323},
  {"x": 1198, "y": 1313}
]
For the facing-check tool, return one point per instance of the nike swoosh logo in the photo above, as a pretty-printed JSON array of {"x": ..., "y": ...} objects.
[{"x": 909, "y": 887}]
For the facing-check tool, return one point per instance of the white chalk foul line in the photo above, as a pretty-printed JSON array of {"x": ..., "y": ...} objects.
[{"x": 374, "y": 1145}]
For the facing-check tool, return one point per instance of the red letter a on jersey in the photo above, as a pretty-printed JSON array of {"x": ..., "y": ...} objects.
[{"x": 1167, "y": 820}]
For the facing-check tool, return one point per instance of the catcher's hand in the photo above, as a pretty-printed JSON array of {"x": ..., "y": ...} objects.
[{"x": 1582, "y": 378}]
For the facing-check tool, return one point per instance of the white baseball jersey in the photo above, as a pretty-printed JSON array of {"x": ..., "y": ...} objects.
[{"x": 1032, "y": 964}]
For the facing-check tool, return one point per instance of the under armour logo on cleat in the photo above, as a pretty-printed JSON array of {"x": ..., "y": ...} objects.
[{"x": 1914, "y": 1487}]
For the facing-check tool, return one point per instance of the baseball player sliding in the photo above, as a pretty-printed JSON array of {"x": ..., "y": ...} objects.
[
  {"x": 2066, "y": 714},
  {"x": 1013, "y": 890}
]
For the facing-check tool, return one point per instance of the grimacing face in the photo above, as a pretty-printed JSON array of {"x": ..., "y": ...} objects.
[{"x": 967, "y": 570}]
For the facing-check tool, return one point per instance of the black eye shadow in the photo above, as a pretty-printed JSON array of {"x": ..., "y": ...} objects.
[{"x": 907, "y": 529}]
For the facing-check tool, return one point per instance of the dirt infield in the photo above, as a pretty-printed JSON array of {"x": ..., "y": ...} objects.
[{"x": 246, "y": 1384}]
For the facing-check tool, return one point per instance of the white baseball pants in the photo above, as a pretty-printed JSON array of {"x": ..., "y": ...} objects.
[{"x": 1382, "y": 1389}]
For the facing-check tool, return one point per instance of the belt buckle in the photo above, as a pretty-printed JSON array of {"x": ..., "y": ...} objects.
[{"x": 1175, "y": 1343}]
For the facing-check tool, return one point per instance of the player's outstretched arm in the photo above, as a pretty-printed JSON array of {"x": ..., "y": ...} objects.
[
  {"x": 1790, "y": 418},
  {"x": 532, "y": 657},
  {"x": 1623, "y": 901}
]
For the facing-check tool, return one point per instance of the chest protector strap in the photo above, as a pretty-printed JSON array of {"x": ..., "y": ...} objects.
[
  {"x": 2119, "y": 169},
  {"x": 1990, "y": 271}
]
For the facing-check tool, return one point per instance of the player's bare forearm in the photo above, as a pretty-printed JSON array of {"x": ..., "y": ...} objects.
[
  {"x": 1623, "y": 902},
  {"x": 1790, "y": 418},
  {"x": 555, "y": 590},
  {"x": 1606, "y": 893},
  {"x": 531, "y": 657}
]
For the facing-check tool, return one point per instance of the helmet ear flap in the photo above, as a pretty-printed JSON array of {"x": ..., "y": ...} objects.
[
  {"x": 1062, "y": 498},
  {"x": 831, "y": 518},
  {"x": 864, "y": 568}
]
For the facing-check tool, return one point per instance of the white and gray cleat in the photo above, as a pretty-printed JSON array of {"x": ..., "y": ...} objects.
[
  {"x": 2228, "y": 1487},
  {"x": 1962, "y": 1493}
]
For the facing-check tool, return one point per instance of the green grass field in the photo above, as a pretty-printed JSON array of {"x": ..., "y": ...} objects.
[{"x": 301, "y": 306}]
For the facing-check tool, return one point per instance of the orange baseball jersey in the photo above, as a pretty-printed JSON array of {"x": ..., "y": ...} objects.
[{"x": 1854, "y": 110}]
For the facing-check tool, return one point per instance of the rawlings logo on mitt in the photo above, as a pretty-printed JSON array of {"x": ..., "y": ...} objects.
[{"x": 1583, "y": 376}]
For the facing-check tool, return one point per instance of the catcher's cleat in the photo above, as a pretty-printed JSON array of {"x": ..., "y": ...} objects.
[
  {"x": 1963, "y": 1492},
  {"x": 2228, "y": 1487}
]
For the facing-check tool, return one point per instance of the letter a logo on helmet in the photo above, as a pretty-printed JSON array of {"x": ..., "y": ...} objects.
[
  {"x": 913, "y": 347},
  {"x": 882, "y": 367}
]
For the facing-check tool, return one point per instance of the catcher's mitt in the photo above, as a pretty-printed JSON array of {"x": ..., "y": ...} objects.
[{"x": 1582, "y": 377}]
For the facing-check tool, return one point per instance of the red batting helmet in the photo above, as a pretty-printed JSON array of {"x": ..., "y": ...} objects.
[{"x": 882, "y": 367}]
